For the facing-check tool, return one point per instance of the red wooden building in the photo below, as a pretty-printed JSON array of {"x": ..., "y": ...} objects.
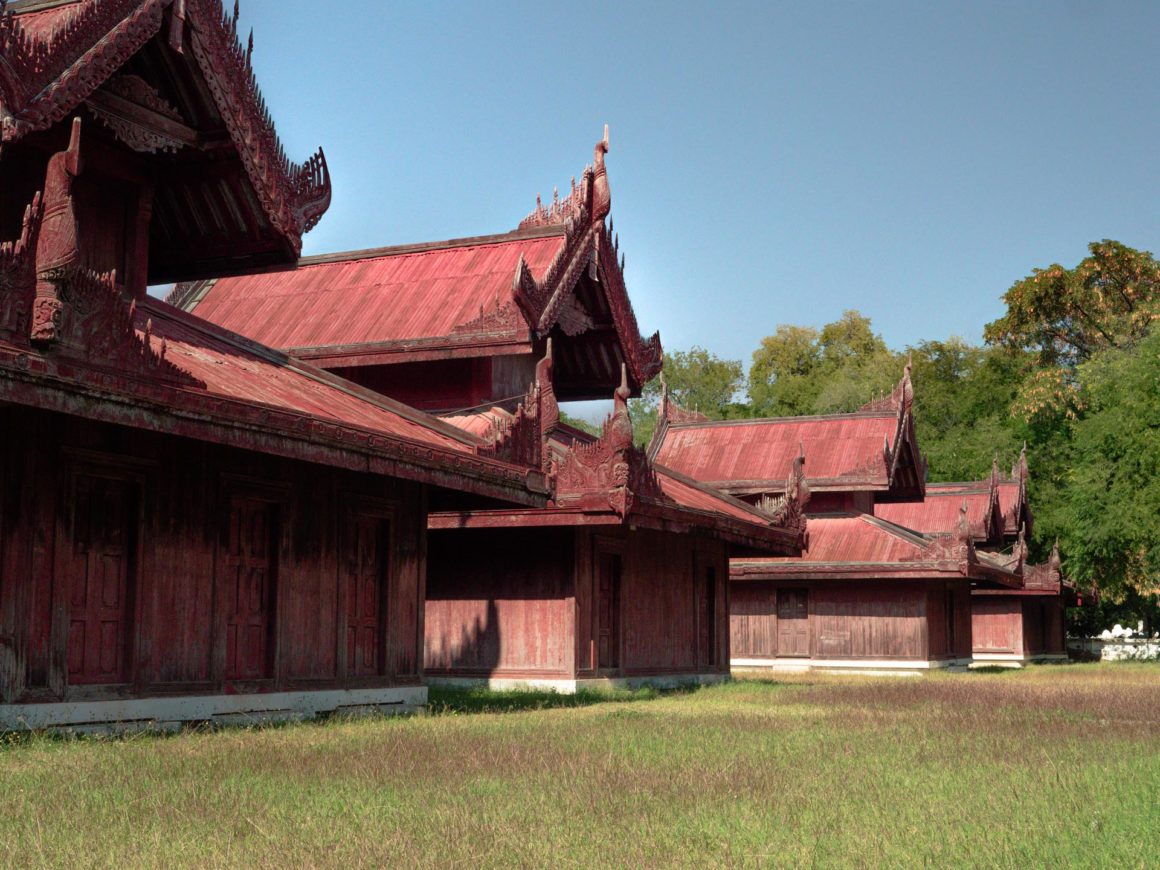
[
  {"x": 622, "y": 580},
  {"x": 867, "y": 594},
  {"x": 192, "y": 525},
  {"x": 622, "y": 577},
  {"x": 1009, "y": 626}
]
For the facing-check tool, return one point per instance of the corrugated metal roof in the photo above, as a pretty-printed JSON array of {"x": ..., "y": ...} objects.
[
  {"x": 764, "y": 450},
  {"x": 688, "y": 493},
  {"x": 232, "y": 369},
  {"x": 858, "y": 538},
  {"x": 372, "y": 297},
  {"x": 940, "y": 511}
]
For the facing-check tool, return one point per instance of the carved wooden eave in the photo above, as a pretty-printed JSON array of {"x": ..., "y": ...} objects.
[
  {"x": 611, "y": 472},
  {"x": 590, "y": 248},
  {"x": 46, "y": 77},
  {"x": 902, "y": 458},
  {"x": 789, "y": 510},
  {"x": 521, "y": 438},
  {"x": 669, "y": 412}
]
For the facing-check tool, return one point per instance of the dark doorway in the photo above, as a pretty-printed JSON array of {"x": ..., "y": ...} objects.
[{"x": 608, "y": 613}]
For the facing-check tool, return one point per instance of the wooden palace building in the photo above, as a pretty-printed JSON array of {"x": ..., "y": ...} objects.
[
  {"x": 622, "y": 577},
  {"x": 868, "y": 593},
  {"x": 192, "y": 525},
  {"x": 1008, "y": 626}
]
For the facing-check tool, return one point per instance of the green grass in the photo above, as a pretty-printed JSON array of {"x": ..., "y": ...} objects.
[{"x": 1053, "y": 766}]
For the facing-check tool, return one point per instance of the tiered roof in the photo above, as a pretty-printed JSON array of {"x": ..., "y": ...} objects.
[{"x": 559, "y": 272}]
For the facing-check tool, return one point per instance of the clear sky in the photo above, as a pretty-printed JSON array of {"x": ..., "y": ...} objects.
[{"x": 770, "y": 162}]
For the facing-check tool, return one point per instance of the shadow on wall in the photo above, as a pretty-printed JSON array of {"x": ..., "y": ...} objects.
[{"x": 476, "y": 650}]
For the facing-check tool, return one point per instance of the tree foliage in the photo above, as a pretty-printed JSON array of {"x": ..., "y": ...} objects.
[
  {"x": 800, "y": 370},
  {"x": 1064, "y": 317}
]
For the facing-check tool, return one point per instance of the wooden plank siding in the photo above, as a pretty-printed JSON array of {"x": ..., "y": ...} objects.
[
  {"x": 136, "y": 564},
  {"x": 500, "y": 602},
  {"x": 883, "y": 620},
  {"x": 1018, "y": 626},
  {"x": 573, "y": 602}
]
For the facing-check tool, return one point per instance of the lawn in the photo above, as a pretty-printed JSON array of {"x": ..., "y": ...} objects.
[{"x": 1047, "y": 767}]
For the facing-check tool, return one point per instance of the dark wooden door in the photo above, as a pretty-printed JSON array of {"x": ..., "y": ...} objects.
[
  {"x": 248, "y": 589},
  {"x": 366, "y": 602},
  {"x": 707, "y": 618},
  {"x": 952, "y": 640},
  {"x": 608, "y": 612},
  {"x": 793, "y": 623},
  {"x": 100, "y": 579}
]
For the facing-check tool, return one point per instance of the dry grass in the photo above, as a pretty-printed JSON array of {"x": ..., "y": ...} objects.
[{"x": 1052, "y": 766}]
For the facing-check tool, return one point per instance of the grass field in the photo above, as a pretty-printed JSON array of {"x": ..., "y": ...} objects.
[{"x": 1053, "y": 766}]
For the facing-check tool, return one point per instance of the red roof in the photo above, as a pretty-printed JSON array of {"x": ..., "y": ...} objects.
[
  {"x": 233, "y": 367},
  {"x": 372, "y": 297},
  {"x": 760, "y": 453},
  {"x": 216, "y": 386},
  {"x": 860, "y": 546},
  {"x": 939, "y": 512},
  {"x": 861, "y": 538}
]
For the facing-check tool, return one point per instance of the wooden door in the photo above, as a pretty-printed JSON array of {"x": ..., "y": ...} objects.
[
  {"x": 100, "y": 579},
  {"x": 248, "y": 589},
  {"x": 793, "y": 623},
  {"x": 707, "y": 618},
  {"x": 952, "y": 640},
  {"x": 608, "y": 612},
  {"x": 366, "y": 596}
]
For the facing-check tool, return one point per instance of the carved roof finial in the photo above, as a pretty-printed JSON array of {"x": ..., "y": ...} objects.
[
  {"x": 1054, "y": 561},
  {"x": 963, "y": 528}
]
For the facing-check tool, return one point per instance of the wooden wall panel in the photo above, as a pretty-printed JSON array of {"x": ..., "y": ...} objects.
[
  {"x": 500, "y": 601},
  {"x": 996, "y": 624},
  {"x": 752, "y": 619},
  {"x": 661, "y": 600},
  {"x": 879, "y": 620},
  {"x": 175, "y": 641}
]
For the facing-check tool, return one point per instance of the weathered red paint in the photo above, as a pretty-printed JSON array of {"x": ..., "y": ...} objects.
[{"x": 225, "y": 572}]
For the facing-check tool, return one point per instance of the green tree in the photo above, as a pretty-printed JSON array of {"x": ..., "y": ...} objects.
[
  {"x": 801, "y": 370},
  {"x": 1109, "y": 516},
  {"x": 698, "y": 380},
  {"x": 1066, "y": 316}
]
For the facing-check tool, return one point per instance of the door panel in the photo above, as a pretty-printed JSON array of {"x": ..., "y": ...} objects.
[
  {"x": 793, "y": 623},
  {"x": 366, "y": 596},
  {"x": 248, "y": 590},
  {"x": 707, "y": 618},
  {"x": 100, "y": 571},
  {"x": 608, "y": 612}
]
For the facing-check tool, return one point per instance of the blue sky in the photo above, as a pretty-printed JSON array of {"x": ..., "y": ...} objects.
[{"x": 770, "y": 162}]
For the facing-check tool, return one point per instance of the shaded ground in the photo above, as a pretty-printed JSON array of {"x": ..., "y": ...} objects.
[{"x": 1050, "y": 766}]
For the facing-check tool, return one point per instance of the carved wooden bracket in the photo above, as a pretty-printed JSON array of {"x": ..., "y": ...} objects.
[
  {"x": 789, "y": 510},
  {"x": 610, "y": 472}
]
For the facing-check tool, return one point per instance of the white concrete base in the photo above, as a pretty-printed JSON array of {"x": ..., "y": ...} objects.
[
  {"x": 566, "y": 686},
  {"x": 169, "y": 713},
  {"x": 870, "y": 667}
]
